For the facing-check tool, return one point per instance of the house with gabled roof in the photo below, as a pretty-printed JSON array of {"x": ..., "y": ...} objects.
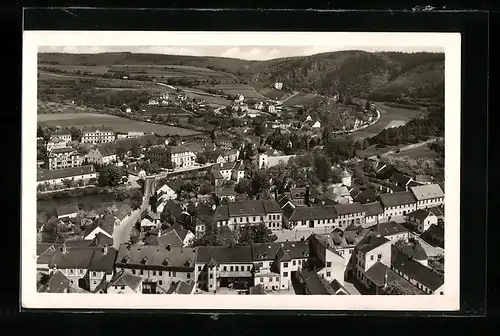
[
  {"x": 393, "y": 231},
  {"x": 223, "y": 266},
  {"x": 372, "y": 249},
  {"x": 434, "y": 235},
  {"x": 57, "y": 283},
  {"x": 325, "y": 260},
  {"x": 80, "y": 173},
  {"x": 67, "y": 211},
  {"x": 401, "y": 180},
  {"x": 62, "y": 134},
  {"x": 63, "y": 157},
  {"x": 182, "y": 287},
  {"x": 98, "y": 135},
  {"x": 427, "y": 196},
  {"x": 313, "y": 284},
  {"x": 125, "y": 283},
  {"x": 250, "y": 212},
  {"x": 103, "y": 154},
  {"x": 398, "y": 203},
  {"x": 373, "y": 212},
  {"x": 309, "y": 217},
  {"x": 56, "y": 142},
  {"x": 422, "y": 219},
  {"x": 158, "y": 266},
  {"x": 274, "y": 263}
]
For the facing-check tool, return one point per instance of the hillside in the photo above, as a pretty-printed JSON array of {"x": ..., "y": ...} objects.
[{"x": 388, "y": 76}]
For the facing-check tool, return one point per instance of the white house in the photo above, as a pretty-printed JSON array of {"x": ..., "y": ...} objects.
[
  {"x": 52, "y": 177},
  {"x": 103, "y": 154},
  {"x": 308, "y": 118},
  {"x": 55, "y": 143},
  {"x": 125, "y": 283},
  {"x": 166, "y": 191},
  {"x": 278, "y": 85},
  {"x": 95, "y": 232},
  {"x": 428, "y": 195},
  {"x": 317, "y": 124},
  {"x": 422, "y": 218}
]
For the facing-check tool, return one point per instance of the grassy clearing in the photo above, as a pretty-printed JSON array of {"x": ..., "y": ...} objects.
[
  {"x": 97, "y": 70},
  {"x": 247, "y": 91},
  {"x": 119, "y": 124},
  {"x": 423, "y": 151},
  {"x": 302, "y": 99},
  {"x": 274, "y": 94},
  {"x": 166, "y": 71}
]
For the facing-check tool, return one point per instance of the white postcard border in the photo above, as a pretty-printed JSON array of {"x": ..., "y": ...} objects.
[{"x": 451, "y": 44}]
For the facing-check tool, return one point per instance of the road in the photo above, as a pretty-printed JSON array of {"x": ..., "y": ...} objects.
[
  {"x": 402, "y": 149},
  {"x": 289, "y": 97},
  {"x": 121, "y": 234}
]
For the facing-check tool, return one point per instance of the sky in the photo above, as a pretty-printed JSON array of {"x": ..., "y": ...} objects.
[{"x": 257, "y": 53}]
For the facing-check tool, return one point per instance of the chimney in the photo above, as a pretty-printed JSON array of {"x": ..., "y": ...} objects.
[
  {"x": 105, "y": 249},
  {"x": 169, "y": 247},
  {"x": 129, "y": 245}
]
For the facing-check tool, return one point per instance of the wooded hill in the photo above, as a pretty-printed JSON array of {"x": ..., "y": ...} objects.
[{"x": 381, "y": 76}]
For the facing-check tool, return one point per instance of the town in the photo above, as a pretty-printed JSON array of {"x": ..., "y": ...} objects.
[{"x": 272, "y": 200}]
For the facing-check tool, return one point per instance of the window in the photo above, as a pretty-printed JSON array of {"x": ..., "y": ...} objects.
[
  {"x": 81, "y": 271},
  {"x": 285, "y": 265},
  {"x": 328, "y": 274},
  {"x": 236, "y": 268},
  {"x": 211, "y": 276},
  {"x": 231, "y": 268},
  {"x": 141, "y": 272},
  {"x": 94, "y": 274},
  {"x": 294, "y": 263},
  {"x": 160, "y": 282},
  {"x": 224, "y": 268},
  {"x": 371, "y": 257},
  {"x": 261, "y": 279},
  {"x": 329, "y": 264},
  {"x": 154, "y": 272},
  {"x": 254, "y": 219},
  {"x": 160, "y": 273},
  {"x": 174, "y": 274},
  {"x": 248, "y": 268},
  {"x": 188, "y": 275},
  {"x": 285, "y": 274},
  {"x": 241, "y": 220},
  {"x": 379, "y": 257},
  {"x": 441, "y": 293},
  {"x": 71, "y": 271}
]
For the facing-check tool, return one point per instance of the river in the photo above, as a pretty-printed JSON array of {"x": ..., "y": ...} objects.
[{"x": 89, "y": 201}]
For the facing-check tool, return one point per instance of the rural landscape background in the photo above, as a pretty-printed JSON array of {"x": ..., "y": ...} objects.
[{"x": 331, "y": 115}]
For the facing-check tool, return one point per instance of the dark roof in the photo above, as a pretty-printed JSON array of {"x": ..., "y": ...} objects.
[
  {"x": 58, "y": 283},
  {"x": 45, "y": 175},
  {"x": 435, "y": 231},
  {"x": 437, "y": 210},
  {"x": 62, "y": 150},
  {"x": 170, "y": 238},
  {"x": 123, "y": 211},
  {"x": 45, "y": 256},
  {"x": 225, "y": 255},
  {"x": 350, "y": 208},
  {"x": 388, "y": 228},
  {"x": 371, "y": 241},
  {"x": 77, "y": 243},
  {"x": 372, "y": 209},
  {"x": 181, "y": 232},
  {"x": 173, "y": 208},
  {"x": 414, "y": 250},
  {"x": 75, "y": 257},
  {"x": 336, "y": 286},
  {"x": 420, "y": 214},
  {"x": 156, "y": 256},
  {"x": 397, "y": 198},
  {"x": 94, "y": 129},
  {"x": 178, "y": 149},
  {"x": 271, "y": 206},
  {"x": 103, "y": 260},
  {"x": 246, "y": 208},
  {"x": 126, "y": 279},
  {"x": 365, "y": 196},
  {"x": 416, "y": 270},
  {"x": 313, "y": 213},
  {"x": 217, "y": 174},
  {"x": 288, "y": 210},
  {"x": 44, "y": 247},
  {"x": 101, "y": 239},
  {"x": 377, "y": 274},
  {"x": 283, "y": 200},
  {"x": 181, "y": 287},
  {"x": 108, "y": 149},
  {"x": 314, "y": 283},
  {"x": 221, "y": 213},
  {"x": 267, "y": 251},
  {"x": 194, "y": 147},
  {"x": 400, "y": 178},
  {"x": 385, "y": 171},
  {"x": 66, "y": 209}
]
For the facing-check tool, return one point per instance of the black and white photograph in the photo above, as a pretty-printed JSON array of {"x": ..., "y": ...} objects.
[{"x": 206, "y": 164}]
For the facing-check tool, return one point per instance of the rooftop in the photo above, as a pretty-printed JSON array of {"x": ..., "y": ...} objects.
[
  {"x": 253, "y": 208},
  {"x": 371, "y": 241},
  {"x": 377, "y": 275},
  {"x": 312, "y": 213},
  {"x": 126, "y": 279},
  {"x": 156, "y": 256},
  {"x": 267, "y": 251},
  {"x": 64, "y": 210},
  {"x": 428, "y": 191},
  {"x": 46, "y": 175},
  {"x": 414, "y": 250},
  {"x": 108, "y": 149},
  {"x": 388, "y": 228},
  {"x": 372, "y": 209},
  {"x": 224, "y": 254},
  {"x": 420, "y": 214},
  {"x": 397, "y": 198},
  {"x": 416, "y": 270},
  {"x": 181, "y": 287},
  {"x": 350, "y": 208},
  {"x": 222, "y": 192},
  {"x": 97, "y": 129},
  {"x": 63, "y": 150}
]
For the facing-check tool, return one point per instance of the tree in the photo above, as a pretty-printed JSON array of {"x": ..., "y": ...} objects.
[
  {"x": 121, "y": 195},
  {"x": 259, "y": 129},
  {"x": 368, "y": 105},
  {"x": 243, "y": 186},
  {"x": 259, "y": 182},
  {"x": 134, "y": 150},
  {"x": 68, "y": 183},
  {"x": 256, "y": 234},
  {"x": 222, "y": 236},
  {"x": 149, "y": 143},
  {"x": 110, "y": 175},
  {"x": 135, "y": 200},
  {"x": 205, "y": 189},
  {"x": 279, "y": 175},
  {"x": 201, "y": 159},
  {"x": 393, "y": 288},
  {"x": 322, "y": 168},
  {"x": 120, "y": 152},
  {"x": 213, "y": 135}
]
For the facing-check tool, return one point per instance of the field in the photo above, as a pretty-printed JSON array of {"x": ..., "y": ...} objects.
[
  {"x": 273, "y": 94},
  {"x": 422, "y": 151},
  {"x": 97, "y": 70},
  {"x": 166, "y": 71},
  {"x": 247, "y": 91},
  {"x": 302, "y": 99},
  {"x": 119, "y": 124}
]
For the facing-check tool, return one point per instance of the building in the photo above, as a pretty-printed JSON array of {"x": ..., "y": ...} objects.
[
  {"x": 374, "y": 212},
  {"x": 230, "y": 155},
  {"x": 248, "y": 213},
  {"x": 229, "y": 171},
  {"x": 166, "y": 192},
  {"x": 422, "y": 219},
  {"x": 424, "y": 179},
  {"x": 66, "y": 157},
  {"x": 182, "y": 287},
  {"x": 422, "y": 277},
  {"x": 434, "y": 235},
  {"x": 67, "y": 211},
  {"x": 402, "y": 181},
  {"x": 296, "y": 217},
  {"x": 225, "y": 169},
  {"x": 52, "y": 177},
  {"x": 367, "y": 195},
  {"x": 372, "y": 249},
  {"x": 185, "y": 236},
  {"x": 346, "y": 178},
  {"x": 221, "y": 266},
  {"x": 181, "y": 156},
  {"x": 125, "y": 283},
  {"x": 238, "y": 171},
  {"x": 278, "y": 85},
  {"x": 63, "y": 135},
  {"x": 393, "y": 231},
  {"x": 134, "y": 134},
  {"x": 225, "y": 193},
  {"x": 55, "y": 143},
  {"x": 98, "y": 135},
  {"x": 57, "y": 283},
  {"x": 317, "y": 124},
  {"x": 302, "y": 196},
  {"x": 313, "y": 284},
  {"x": 224, "y": 142},
  {"x": 265, "y": 161},
  {"x": 414, "y": 250},
  {"x": 350, "y": 214},
  {"x": 158, "y": 266},
  {"x": 275, "y": 262},
  {"x": 429, "y": 195},
  {"x": 398, "y": 203},
  {"x": 379, "y": 278},
  {"x": 103, "y": 154},
  {"x": 325, "y": 260}
]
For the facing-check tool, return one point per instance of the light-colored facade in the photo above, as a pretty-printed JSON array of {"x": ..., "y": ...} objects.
[
  {"x": 367, "y": 257},
  {"x": 98, "y": 135},
  {"x": 56, "y": 142},
  {"x": 60, "y": 158},
  {"x": 428, "y": 196},
  {"x": 53, "y": 177}
]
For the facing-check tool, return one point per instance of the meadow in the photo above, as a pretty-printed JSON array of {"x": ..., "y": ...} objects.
[
  {"x": 119, "y": 124},
  {"x": 422, "y": 151},
  {"x": 302, "y": 99},
  {"x": 96, "y": 70},
  {"x": 247, "y": 91},
  {"x": 273, "y": 94},
  {"x": 167, "y": 71}
]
